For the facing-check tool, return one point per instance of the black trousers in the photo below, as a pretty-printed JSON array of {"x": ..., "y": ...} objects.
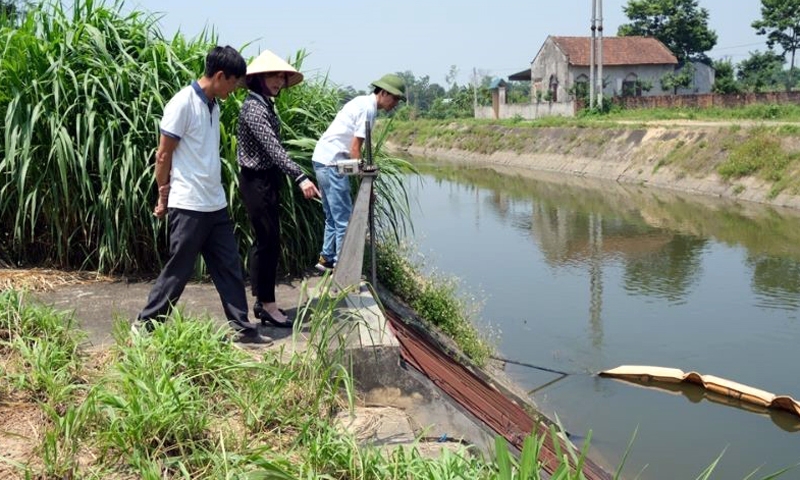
[
  {"x": 260, "y": 191},
  {"x": 209, "y": 234}
]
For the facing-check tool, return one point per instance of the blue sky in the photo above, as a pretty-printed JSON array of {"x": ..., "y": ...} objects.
[{"x": 356, "y": 41}]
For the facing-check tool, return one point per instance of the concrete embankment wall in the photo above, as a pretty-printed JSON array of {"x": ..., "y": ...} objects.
[{"x": 678, "y": 158}]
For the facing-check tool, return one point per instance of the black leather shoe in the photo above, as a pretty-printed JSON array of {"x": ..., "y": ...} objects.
[
  {"x": 253, "y": 339},
  {"x": 267, "y": 319}
]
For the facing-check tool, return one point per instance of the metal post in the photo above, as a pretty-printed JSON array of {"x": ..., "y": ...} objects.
[
  {"x": 591, "y": 57},
  {"x": 600, "y": 54},
  {"x": 371, "y": 218}
]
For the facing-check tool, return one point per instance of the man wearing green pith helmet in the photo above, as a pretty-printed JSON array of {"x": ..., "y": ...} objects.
[{"x": 343, "y": 140}]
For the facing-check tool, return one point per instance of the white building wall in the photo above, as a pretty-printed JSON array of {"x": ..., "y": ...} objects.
[
  {"x": 613, "y": 76},
  {"x": 549, "y": 62},
  {"x": 529, "y": 111},
  {"x": 703, "y": 80}
]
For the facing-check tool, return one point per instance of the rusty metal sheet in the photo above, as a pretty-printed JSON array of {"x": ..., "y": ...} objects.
[{"x": 499, "y": 412}]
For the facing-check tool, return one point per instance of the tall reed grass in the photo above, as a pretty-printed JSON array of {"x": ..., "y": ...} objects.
[{"x": 84, "y": 87}]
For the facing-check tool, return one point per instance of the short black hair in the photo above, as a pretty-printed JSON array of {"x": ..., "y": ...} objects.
[{"x": 228, "y": 60}]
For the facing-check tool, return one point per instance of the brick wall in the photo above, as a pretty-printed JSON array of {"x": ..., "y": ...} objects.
[{"x": 709, "y": 100}]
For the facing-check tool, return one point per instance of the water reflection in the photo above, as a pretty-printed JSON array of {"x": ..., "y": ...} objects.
[
  {"x": 660, "y": 236},
  {"x": 668, "y": 271},
  {"x": 696, "y": 394},
  {"x": 776, "y": 281}
]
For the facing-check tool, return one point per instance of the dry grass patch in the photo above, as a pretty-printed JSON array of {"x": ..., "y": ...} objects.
[
  {"x": 44, "y": 280},
  {"x": 22, "y": 425}
]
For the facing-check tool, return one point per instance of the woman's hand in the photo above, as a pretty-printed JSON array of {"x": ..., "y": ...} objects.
[{"x": 309, "y": 189}]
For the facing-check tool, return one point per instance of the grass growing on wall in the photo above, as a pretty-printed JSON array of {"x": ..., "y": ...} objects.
[
  {"x": 762, "y": 154},
  {"x": 434, "y": 298}
]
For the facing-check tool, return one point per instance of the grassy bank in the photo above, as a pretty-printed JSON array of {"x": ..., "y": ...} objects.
[{"x": 777, "y": 112}]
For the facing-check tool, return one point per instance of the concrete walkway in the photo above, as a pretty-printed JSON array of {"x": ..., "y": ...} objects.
[{"x": 98, "y": 305}]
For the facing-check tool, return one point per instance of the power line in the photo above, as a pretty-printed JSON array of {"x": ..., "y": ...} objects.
[{"x": 738, "y": 46}]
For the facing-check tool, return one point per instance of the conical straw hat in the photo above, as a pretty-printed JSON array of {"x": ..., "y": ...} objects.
[{"x": 268, "y": 62}]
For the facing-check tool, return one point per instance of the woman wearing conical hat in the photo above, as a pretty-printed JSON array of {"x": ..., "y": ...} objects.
[{"x": 263, "y": 161}]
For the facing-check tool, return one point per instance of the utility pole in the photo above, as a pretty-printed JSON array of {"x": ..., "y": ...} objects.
[
  {"x": 600, "y": 55},
  {"x": 591, "y": 57}
]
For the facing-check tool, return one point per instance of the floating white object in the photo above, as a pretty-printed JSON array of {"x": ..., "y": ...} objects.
[{"x": 721, "y": 386}]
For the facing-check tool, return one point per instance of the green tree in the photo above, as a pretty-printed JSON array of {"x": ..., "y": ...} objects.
[
  {"x": 457, "y": 104},
  {"x": 780, "y": 22},
  {"x": 680, "y": 24},
  {"x": 421, "y": 94},
  {"x": 450, "y": 79},
  {"x": 724, "y": 79},
  {"x": 415, "y": 92},
  {"x": 762, "y": 71},
  {"x": 681, "y": 78},
  {"x": 518, "y": 92},
  {"x": 348, "y": 93}
]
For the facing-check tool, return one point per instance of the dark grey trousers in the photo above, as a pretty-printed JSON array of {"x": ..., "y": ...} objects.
[{"x": 211, "y": 235}]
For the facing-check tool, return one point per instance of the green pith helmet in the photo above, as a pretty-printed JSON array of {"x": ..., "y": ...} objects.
[{"x": 393, "y": 84}]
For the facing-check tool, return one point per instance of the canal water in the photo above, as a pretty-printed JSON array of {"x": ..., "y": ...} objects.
[{"x": 583, "y": 276}]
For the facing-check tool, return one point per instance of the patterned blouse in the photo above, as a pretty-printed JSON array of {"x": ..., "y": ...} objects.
[{"x": 259, "y": 145}]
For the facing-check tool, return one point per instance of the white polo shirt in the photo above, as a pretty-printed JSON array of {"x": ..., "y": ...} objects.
[
  {"x": 349, "y": 122},
  {"x": 195, "y": 178}
]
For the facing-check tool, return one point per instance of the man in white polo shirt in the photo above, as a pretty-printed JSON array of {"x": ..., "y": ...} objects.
[
  {"x": 344, "y": 139},
  {"x": 188, "y": 174}
]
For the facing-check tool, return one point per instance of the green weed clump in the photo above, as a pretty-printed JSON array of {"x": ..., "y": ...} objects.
[
  {"x": 435, "y": 299},
  {"x": 181, "y": 402},
  {"x": 760, "y": 154},
  {"x": 44, "y": 360}
]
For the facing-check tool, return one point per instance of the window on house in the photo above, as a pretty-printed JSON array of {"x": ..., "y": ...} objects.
[
  {"x": 582, "y": 86},
  {"x": 631, "y": 86},
  {"x": 553, "y": 90}
]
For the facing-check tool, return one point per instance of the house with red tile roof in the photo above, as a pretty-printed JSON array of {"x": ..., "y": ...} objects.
[{"x": 632, "y": 66}]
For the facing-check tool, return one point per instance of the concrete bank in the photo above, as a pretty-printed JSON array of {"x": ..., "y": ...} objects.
[{"x": 681, "y": 158}]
